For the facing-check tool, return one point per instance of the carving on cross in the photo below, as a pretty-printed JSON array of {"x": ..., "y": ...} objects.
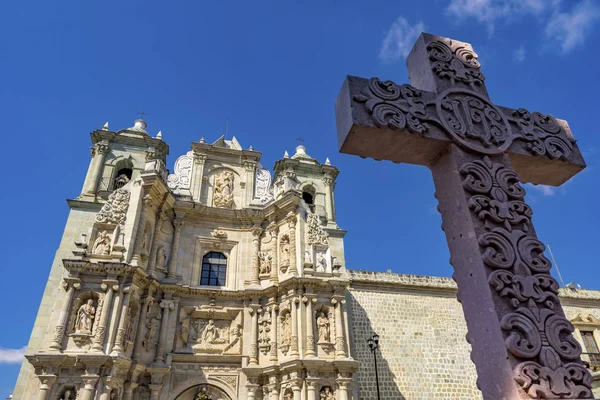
[{"x": 478, "y": 152}]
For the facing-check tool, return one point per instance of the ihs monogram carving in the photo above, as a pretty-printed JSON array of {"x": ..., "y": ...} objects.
[
  {"x": 535, "y": 333},
  {"x": 114, "y": 210},
  {"x": 316, "y": 234},
  {"x": 223, "y": 190},
  {"x": 467, "y": 117},
  {"x": 457, "y": 65},
  {"x": 181, "y": 179}
]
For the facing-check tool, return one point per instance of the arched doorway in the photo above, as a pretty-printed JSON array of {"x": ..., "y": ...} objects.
[{"x": 203, "y": 392}]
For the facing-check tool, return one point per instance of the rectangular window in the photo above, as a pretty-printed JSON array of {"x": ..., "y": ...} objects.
[
  {"x": 214, "y": 269},
  {"x": 589, "y": 342}
]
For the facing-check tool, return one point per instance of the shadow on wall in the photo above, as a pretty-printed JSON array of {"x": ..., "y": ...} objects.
[{"x": 362, "y": 330}]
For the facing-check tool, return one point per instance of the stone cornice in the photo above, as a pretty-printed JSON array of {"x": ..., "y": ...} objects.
[
  {"x": 85, "y": 205},
  {"x": 140, "y": 140}
]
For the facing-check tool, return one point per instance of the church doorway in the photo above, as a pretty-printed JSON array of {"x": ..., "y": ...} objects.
[{"x": 203, "y": 392}]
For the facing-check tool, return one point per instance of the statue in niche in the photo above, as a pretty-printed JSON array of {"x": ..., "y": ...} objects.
[
  {"x": 323, "y": 328},
  {"x": 161, "y": 258},
  {"x": 102, "y": 244},
  {"x": 289, "y": 395},
  {"x": 285, "y": 251},
  {"x": 286, "y": 329},
  {"x": 223, "y": 193},
  {"x": 326, "y": 393},
  {"x": 85, "y": 315},
  {"x": 68, "y": 395},
  {"x": 150, "y": 336},
  {"x": 266, "y": 261},
  {"x": 321, "y": 263},
  {"x": 264, "y": 341},
  {"x": 146, "y": 238},
  {"x": 209, "y": 333}
]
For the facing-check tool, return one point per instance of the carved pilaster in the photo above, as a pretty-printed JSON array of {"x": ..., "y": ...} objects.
[
  {"x": 98, "y": 153},
  {"x": 291, "y": 220},
  {"x": 256, "y": 232},
  {"x": 310, "y": 318},
  {"x": 275, "y": 266},
  {"x": 254, "y": 310},
  {"x": 178, "y": 225},
  {"x": 109, "y": 287},
  {"x": 273, "y": 354},
  {"x": 199, "y": 162},
  {"x": 166, "y": 305},
  {"x": 61, "y": 327},
  {"x": 340, "y": 342},
  {"x": 120, "y": 340},
  {"x": 294, "y": 349}
]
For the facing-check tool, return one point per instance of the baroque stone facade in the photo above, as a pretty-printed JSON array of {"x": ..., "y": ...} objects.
[{"x": 219, "y": 282}]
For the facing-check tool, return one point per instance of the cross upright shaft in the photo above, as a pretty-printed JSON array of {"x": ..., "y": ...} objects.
[{"x": 522, "y": 344}]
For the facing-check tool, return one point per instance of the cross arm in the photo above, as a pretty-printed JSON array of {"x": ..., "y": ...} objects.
[{"x": 400, "y": 123}]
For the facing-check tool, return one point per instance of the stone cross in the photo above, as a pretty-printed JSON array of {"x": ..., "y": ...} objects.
[{"x": 478, "y": 152}]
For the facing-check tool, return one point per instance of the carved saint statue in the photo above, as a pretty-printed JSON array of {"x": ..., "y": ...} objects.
[
  {"x": 102, "y": 244},
  {"x": 286, "y": 329},
  {"x": 321, "y": 262},
  {"x": 161, "y": 258},
  {"x": 265, "y": 262},
  {"x": 263, "y": 332},
  {"x": 285, "y": 251},
  {"x": 223, "y": 192},
  {"x": 323, "y": 327},
  {"x": 150, "y": 336},
  {"x": 326, "y": 394},
  {"x": 289, "y": 395},
  {"x": 209, "y": 333},
  {"x": 68, "y": 395},
  {"x": 85, "y": 315}
]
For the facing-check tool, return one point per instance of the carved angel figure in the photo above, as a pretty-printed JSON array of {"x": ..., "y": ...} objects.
[
  {"x": 85, "y": 315},
  {"x": 102, "y": 244},
  {"x": 326, "y": 394},
  {"x": 323, "y": 328},
  {"x": 223, "y": 194},
  {"x": 161, "y": 258},
  {"x": 209, "y": 333}
]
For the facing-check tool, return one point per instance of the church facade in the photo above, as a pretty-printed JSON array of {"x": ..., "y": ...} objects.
[{"x": 221, "y": 282}]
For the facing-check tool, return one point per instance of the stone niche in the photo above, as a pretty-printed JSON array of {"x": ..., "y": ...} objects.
[
  {"x": 106, "y": 242},
  {"x": 83, "y": 320},
  {"x": 210, "y": 329}
]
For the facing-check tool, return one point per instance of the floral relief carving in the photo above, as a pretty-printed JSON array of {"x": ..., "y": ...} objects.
[
  {"x": 114, "y": 210},
  {"x": 316, "y": 234},
  {"x": 223, "y": 190},
  {"x": 460, "y": 64},
  {"x": 393, "y": 106},
  {"x": 538, "y": 336}
]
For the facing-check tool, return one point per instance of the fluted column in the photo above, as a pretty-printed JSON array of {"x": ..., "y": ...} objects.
[
  {"x": 160, "y": 218},
  {"x": 340, "y": 343},
  {"x": 256, "y": 232},
  {"x": 199, "y": 161},
  {"x": 343, "y": 381},
  {"x": 310, "y": 332},
  {"x": 148, "y": 301},
  {"x": 311, "y": 388},
  {"x": 89, "y": 383},
  {"x": 98, "y": 152},
  {"x": 294, "y": 344},
  {"x": 273, "y": 355},
  {"x": 120, "y": 340},
  {"x": 178, "y": 224},
  {"x": 61, "y": 327},
  {"x": 254, "y": 310},
  {"x": 155, "y": 390},
  {"x": 291, "y": 220},
  {"x": 110, "y": 287},
  {"x": 166, "y": 305},
  {"x": 46, "y": 383}
]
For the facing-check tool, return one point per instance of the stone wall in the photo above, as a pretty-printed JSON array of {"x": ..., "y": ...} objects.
[{"x": 423, "y": 352}]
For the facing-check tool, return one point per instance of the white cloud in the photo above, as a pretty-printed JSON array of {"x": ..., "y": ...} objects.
[
  {"x": 489, "y": 11},
  {"x": 519, "y": 54},
  {"x": 544, "y": 190},
  {"x": 399, "y": 40},
  {"x": 570, "y": 28},
  {"x": 11, "y": 356}
]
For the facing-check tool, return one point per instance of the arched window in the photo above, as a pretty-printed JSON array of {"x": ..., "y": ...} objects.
[
  {"x": 214, "y": 268},
  {"x": 123, "y": 176},
  {"x": 307, "y": 197}
]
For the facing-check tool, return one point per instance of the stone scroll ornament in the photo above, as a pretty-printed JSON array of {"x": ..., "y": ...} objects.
[
  {"x": 181, "y": 178},
  {"x": 114, "y": 210},
  {"x": 474, "y": 149},
  {"x": 262, "y": 185}
]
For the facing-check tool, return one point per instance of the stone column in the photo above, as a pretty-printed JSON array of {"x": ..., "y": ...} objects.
[
  {"x": 160, "y": 218},
  {"x": 311, "y": 388},
  {"x": 328, "y": 182},
  {"x": 199, "y": 161},
  {"x": 251, "y": 391},
  {"x": 120, "y": 340},
  {"x": 143, "y": 314},
  {"x": 343, "y": 381},
  {"x": 294, "y": 344},
  {"x": 89, "y": 383},
  {"x": 178, "y": 224},
  {"x": 137, "y": 258},
  {"x": 250, "y": 168},
  {"x": 273, "y": 388},
  {"x": 99, "y": 152},
  {"x": 254, "y": 310},
  {"x": 256, "y": 232},
  {"x": 46, "y": 383},
  {"x": 166, "y": 305},
  {"x": 155, "y": 390},
  {"x": 275, "y": 264},
  {"x": 129, "y": 389},
  {"x": 310, "y": 332},
  {"x": 340, "y": 343},
  {"x": 108, "y": 387},
  {"x": 273, "y": 356},
  {"x": 296, "y": 386},
  {"x": 291, "y": 220},
  {"x": 59, "y": 331},
  {"x": 110, "y": 287}
]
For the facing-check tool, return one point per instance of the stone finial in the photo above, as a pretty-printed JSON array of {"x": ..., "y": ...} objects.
[
  {"x": 201, "y": 140},
  {"x": 159, "y": 135},
  {"x": 286, "y": 155},
  {"x": 251, "y": 148},
  {"x": 327, "y": 162},
  {"x": 105, "y": 127}
]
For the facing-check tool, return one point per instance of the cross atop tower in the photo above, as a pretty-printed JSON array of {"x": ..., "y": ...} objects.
[
  {"x": 478, "y": 152},
  {"x": 300, "y": 140},
  {"x": 142, "y": 114}
]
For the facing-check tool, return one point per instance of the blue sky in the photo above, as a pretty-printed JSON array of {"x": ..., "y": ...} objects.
[{"x": 274, "y": 68}]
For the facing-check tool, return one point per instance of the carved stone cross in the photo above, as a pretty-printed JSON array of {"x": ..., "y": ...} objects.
[{"x": 522, "y": 344}]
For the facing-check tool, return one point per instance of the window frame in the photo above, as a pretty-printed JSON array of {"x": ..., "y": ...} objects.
[{"x": 214, "y": 273}]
